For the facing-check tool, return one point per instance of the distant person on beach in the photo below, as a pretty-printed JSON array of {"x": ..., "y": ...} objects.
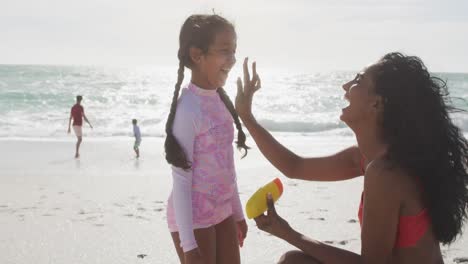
[
  {"x": 77, "y": 114},
  {"x": 137, "y": 135},
  {"x": 413, "y": 159},
  {"x": 204, "y": 211}
]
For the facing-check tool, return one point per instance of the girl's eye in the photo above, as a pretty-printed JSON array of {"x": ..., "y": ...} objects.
[{"x": 224, "y": 52}]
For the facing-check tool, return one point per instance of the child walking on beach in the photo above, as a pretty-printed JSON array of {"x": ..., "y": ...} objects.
[
  {"x": 137, "y": 134},
  {"x": 204, "y": 211}
]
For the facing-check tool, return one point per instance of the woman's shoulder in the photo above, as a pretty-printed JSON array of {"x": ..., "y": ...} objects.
[
  {"x": 389, "y": 179},
  {"x": 386, "y": 174}
]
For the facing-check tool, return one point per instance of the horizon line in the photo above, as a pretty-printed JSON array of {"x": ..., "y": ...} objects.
[{"x": 168, "y": 66}]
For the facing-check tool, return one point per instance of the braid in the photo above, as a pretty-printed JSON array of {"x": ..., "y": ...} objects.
[
  {"x": 240, "y": 133},
  {"x": 175, "y": 155}
]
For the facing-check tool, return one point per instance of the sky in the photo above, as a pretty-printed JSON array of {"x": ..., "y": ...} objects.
[{"x": 303, "y": 35}]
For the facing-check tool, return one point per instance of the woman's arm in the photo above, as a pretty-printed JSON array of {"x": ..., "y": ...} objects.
[
  {"x": 379, "y": 227},
  {"x": 340, "y": 166},
  {"x": 320, "y": 251},
  {"x": 381, "y": 212},
  {"x": 274, "y": 224},
  {"x": 377, "y": 240}
]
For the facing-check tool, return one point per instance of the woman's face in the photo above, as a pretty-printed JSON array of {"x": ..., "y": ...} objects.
[{"x": 364, "y": 103}]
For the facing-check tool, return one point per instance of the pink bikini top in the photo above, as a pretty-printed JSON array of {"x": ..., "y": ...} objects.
[{"x": 411, "y": 228}]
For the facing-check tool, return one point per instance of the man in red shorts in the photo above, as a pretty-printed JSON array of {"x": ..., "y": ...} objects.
[{"x": 77, "y": 114}]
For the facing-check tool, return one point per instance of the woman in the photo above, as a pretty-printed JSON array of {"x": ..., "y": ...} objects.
[{"x": 414, "y": 161}]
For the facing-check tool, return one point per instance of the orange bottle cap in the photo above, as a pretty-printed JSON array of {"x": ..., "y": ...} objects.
[{"x": 279, "y": 184}]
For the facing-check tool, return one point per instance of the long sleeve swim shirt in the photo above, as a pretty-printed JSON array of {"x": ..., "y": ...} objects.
[{"x": 206, "y": 194}]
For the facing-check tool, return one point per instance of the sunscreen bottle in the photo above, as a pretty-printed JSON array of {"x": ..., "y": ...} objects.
[{"x": 257, "y": 203}]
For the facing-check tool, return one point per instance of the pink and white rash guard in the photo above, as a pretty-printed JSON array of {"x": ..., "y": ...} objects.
[{"x": 206, "y": 194}]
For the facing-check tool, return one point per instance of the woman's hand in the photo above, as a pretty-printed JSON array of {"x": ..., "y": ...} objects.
[
  {"x": 193, "y": 257},
  {"x": 271, "y": 222},
  {"x": 241, "y": 231},
  {"x": 246, "y": 90}
]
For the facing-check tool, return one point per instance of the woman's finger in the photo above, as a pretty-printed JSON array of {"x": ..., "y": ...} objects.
[
  {"x": 254, "y": 69},
  {"x": 258, "y": 85},
  {"x": 246, "y": 72},
  {"x": 271, "y": 205},
  {"x": 239, "y": 87},
  {"x": 261, "y": 221}
]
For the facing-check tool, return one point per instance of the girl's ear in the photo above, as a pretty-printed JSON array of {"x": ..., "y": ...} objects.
[{"x": 195, "y": 55}]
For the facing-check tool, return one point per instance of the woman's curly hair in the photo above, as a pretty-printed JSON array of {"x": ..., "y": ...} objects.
[{"x": 423, "y": 139}]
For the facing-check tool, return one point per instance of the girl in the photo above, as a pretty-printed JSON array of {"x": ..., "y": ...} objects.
[
  {"x": 204, "y": 210},
  {"x": 413, "y": 158}
]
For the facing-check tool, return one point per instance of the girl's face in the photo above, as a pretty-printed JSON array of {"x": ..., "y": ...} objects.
[
  {"x": 212, "y": 68},
  {"x": 364, "y": 103}
]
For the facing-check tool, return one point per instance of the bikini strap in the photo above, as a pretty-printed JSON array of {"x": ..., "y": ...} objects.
[{"x": 362, "y": 165}]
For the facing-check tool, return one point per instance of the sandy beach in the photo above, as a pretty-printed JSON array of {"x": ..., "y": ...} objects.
[{"x": 108, "y": 207}]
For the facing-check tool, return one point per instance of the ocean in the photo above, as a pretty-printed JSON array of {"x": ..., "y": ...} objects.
[{"x": 35, "y": 100}]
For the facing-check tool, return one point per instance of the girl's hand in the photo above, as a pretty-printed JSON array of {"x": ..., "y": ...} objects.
[
  {"x": 271, "y": 222},
  {"x": 193, "y": 257},
  {"x": 246, "y": 90},
  {"x": 241, "y": 231}
]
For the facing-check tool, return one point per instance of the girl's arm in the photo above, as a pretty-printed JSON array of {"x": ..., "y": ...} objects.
[
  {"x": 236, "y": 204},
  {"x": 184, "y": 131},
  {"x": 238, "y": 215}
]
